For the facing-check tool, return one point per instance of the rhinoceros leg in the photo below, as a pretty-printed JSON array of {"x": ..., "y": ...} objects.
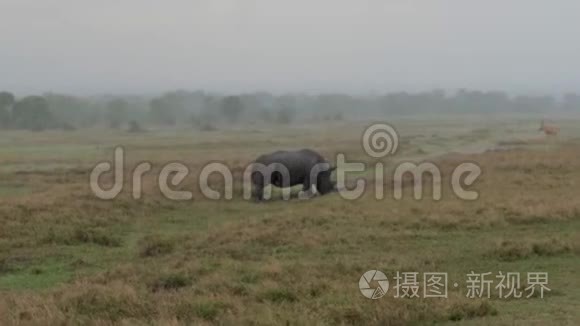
[
  {"x": 308, "y": 191},
  {"x": 258, "y": 193},
  {"x": 258, "y": 184}
]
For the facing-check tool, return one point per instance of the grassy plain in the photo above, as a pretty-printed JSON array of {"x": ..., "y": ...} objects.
[{"x": 67, "y": 257}]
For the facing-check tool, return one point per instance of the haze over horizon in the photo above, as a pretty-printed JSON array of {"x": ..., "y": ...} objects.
[{"x": 147, "y": 46}]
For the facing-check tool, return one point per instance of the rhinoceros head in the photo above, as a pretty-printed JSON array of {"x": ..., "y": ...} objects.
[{"x": 324, "y": 183}]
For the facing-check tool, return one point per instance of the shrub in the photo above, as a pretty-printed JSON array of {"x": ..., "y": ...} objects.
[
  {"x": 96, "y": 236},
  {"x": 153, "y": 245},
  {"x": 286, "y": 115},
  {"x": 209, "y": 310},
  {"x": 208, "y": 126},
  {"x": 279, "y": 296},
  {"x": 113, "y": 302},
  {"x": 135, "y": 127},
  {"x": 82, "y": 235},
  {"x": 510, "y": 250},
  {"x": 470, "y": 310},
  {"x": 171, "y": 282}
]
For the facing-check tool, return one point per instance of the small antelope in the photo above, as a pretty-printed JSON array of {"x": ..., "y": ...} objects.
[{"x": 549, "y": 130}]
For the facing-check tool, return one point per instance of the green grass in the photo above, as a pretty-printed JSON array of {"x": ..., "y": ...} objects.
[
  {"x": 456, "y": 252},
  {"x": 66, "y": 257},
  {"x": 8, "y": 190},
  {"x": 42, "y": 275}
]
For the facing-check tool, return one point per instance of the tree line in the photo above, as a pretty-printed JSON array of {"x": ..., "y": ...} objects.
[{"x": 208, "y": 111}]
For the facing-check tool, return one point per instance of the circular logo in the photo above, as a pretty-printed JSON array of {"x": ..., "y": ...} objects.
[
  {"x": 381, "y": 284},
  {"x": 380, "y": 140}
]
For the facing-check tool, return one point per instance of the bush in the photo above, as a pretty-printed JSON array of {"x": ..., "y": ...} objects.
[
  {"x": 152, "y": 246},
  {"x": 135, "y": 127},
  {"x": 171, "y": 282},
  {"x": 286, "y": 115},
  {"x": 68, "y": 127},
  {"x": 512, "y": 250},
  {"x": 82, "y": 235},
  {"x": 207, "y": 126},
  {"x": 470, "y": 310},
  {"x": 209, "y": 310},
  {"x": 114, "y": 302},
  {"x": 96, "y": 236},
  {"x": 279, "y": 296}
]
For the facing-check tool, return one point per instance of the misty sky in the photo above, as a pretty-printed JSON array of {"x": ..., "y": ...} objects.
[{"x": 150, "y": 46}]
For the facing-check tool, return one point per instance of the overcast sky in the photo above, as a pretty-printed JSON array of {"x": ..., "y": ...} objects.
[{"x": 135, "y": 46}]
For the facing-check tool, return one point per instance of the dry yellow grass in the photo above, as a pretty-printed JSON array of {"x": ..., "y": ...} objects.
[{"x": 69, "y": 258}]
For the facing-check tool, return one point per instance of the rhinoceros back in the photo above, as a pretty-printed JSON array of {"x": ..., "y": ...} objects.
[{"x": 299, "y": 163}]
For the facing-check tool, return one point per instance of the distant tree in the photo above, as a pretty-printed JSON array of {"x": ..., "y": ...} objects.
[
  {"x": 67, "y": 127},
  {"x": 117, "y": 113},
  {"x": 208, "y": 126},
  {"x": 534, "y": 103},
  {"x": 203, "y": 122},
  {"x": 265, "y": 115},
  {"x": 212, "y": 106},
  {"x": 286, "y": 115},
  {"x": 32, "y": 113},
  {"x": 338, "y": 116},
  {"x": 195, "y": 120},
  {"x": 67, "y": 109},
  {"x": 174, "y": 107},
  {"x": 6, "y": 103},
  {"x": 162, "y": 112},
  {"x": 135, "y": 127},
  {"x": 232, "y": 108},
  {"x": 571, "y": 102}
]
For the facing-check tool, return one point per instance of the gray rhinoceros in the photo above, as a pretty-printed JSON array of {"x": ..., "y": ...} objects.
[{"x": 289, "y": 168}]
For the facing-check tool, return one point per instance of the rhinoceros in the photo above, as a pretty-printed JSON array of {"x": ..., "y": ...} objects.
[{"x": 290, "y": 168}]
